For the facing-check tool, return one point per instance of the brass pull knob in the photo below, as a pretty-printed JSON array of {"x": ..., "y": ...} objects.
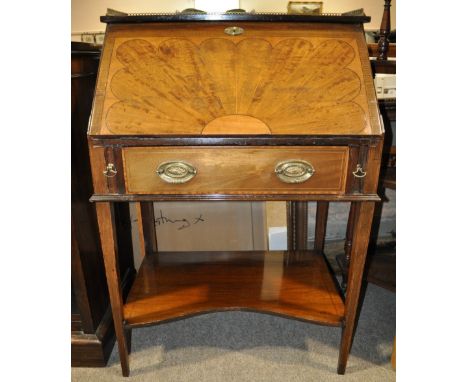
[
  {"x": 110, "y": 171},
  {"x": 359, "y": 173},
  {"x": 176, "y": 172},
  {"x": 234, "y": 31},
  {"x": 294, "y": 171}
]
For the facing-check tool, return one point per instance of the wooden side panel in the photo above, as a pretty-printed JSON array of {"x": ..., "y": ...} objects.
[
  {"x": 374, "y": 158},
  {"x": 98, "y": 165},
  {"x": 222, "y": 170}
]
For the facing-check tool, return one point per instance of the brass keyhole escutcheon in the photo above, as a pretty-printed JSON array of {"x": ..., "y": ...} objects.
[
  {"x": 110, "y": 171},
  {"x": 234, "y": 31}
]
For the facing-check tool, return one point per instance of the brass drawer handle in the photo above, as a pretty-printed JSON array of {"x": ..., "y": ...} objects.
[
  {"x": 176, "y": 172},
  {"x": 359, "y": 173},
  {"x": 294, "y": 171},
  {"x": 234, "y": 31}
]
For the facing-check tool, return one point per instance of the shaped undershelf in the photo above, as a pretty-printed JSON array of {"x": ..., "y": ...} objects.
[{"x": 172, "y": 285}]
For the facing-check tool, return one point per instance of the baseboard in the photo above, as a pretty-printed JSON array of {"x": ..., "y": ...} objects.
[{"x": 93, "y": 350}]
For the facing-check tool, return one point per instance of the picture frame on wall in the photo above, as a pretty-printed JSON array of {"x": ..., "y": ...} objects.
[{"x": 305, "y": 7}]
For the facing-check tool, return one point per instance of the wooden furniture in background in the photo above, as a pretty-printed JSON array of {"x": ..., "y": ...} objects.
[
  {"x": 297, "y": 212},
  {"x": 381, "y": 269},
  {"x": 179, "y": 100},
  {"x": 385, "y": 26},
  {"x": 92, "y": 332}
]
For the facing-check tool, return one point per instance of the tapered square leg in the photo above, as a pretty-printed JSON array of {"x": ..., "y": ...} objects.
[
  {"x": 106, "y": 221},
  {"x": 128, "y": 339},
  {"x": 363, "y": 214}
]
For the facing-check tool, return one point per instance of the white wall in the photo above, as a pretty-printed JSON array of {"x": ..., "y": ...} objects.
[{"x": 86, "y": 13}]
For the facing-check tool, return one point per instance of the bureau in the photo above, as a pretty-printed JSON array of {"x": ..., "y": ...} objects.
[{"x": 252, "y": 107}]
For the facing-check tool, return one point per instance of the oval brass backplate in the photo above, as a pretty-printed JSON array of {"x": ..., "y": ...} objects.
[
  {"x": 234, "y": 31},
  {"x": 176, "y": 172},
  {"x": 294, "y": 171}
]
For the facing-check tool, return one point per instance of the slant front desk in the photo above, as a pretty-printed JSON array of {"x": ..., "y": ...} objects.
[{"x": 235, "y": 107}]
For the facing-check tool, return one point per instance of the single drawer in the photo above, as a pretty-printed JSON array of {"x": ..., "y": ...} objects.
[{"x": 235, "y": 170}]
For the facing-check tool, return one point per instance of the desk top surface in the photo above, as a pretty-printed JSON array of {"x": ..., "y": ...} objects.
[{"x": 268, "y": 78}]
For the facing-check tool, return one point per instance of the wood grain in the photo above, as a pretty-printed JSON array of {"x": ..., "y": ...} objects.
[
  {"x": 98, "y": 165},
  {"x": 235, "y": 170},
  {"x": 177, "y": 87},
  {"x": 294, "y": 80},
  {"x": 374, "y": 158},
  {"x": 385, "y": 26},
  {"x": 178, "y": 284},
  {"x": 92, "y": 338},
  {"x": 297, "y": 224},
  {"x": 236, "y": 125},
  {"x": 363, "y": 213},
  {"x": 321, "y": 218},
  {"x": 107, "y": 231},
  {"x": 234, "y": 107}
]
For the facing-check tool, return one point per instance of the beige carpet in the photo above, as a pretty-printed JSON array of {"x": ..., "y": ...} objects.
[{"x": 241, "y": 346}]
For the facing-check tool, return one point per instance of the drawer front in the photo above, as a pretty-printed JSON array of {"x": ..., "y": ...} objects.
[{"x": 234, "y": 170}]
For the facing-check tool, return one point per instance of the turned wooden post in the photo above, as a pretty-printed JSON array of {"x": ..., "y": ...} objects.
[
  {"x": 297, "y": 214},
  {"x": 321, "y": 217},
  {"x": 384, "y": 32},
  {"x": 347, "y": 246}
]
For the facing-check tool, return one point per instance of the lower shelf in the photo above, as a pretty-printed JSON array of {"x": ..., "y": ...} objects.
[{"x": 173, "y": 285}]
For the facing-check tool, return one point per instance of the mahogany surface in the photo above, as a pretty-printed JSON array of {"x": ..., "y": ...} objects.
[
  {"x": 284, "y": 88},
  {"x": 109, "y": 242},
  {"x": 172, "y": 285},
  {"x": 362, "y": 216},
  {"x": 237, "y": 172}
]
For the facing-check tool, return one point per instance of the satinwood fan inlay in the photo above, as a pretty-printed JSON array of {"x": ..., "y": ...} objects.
[{"x": 222, "y": 87}]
